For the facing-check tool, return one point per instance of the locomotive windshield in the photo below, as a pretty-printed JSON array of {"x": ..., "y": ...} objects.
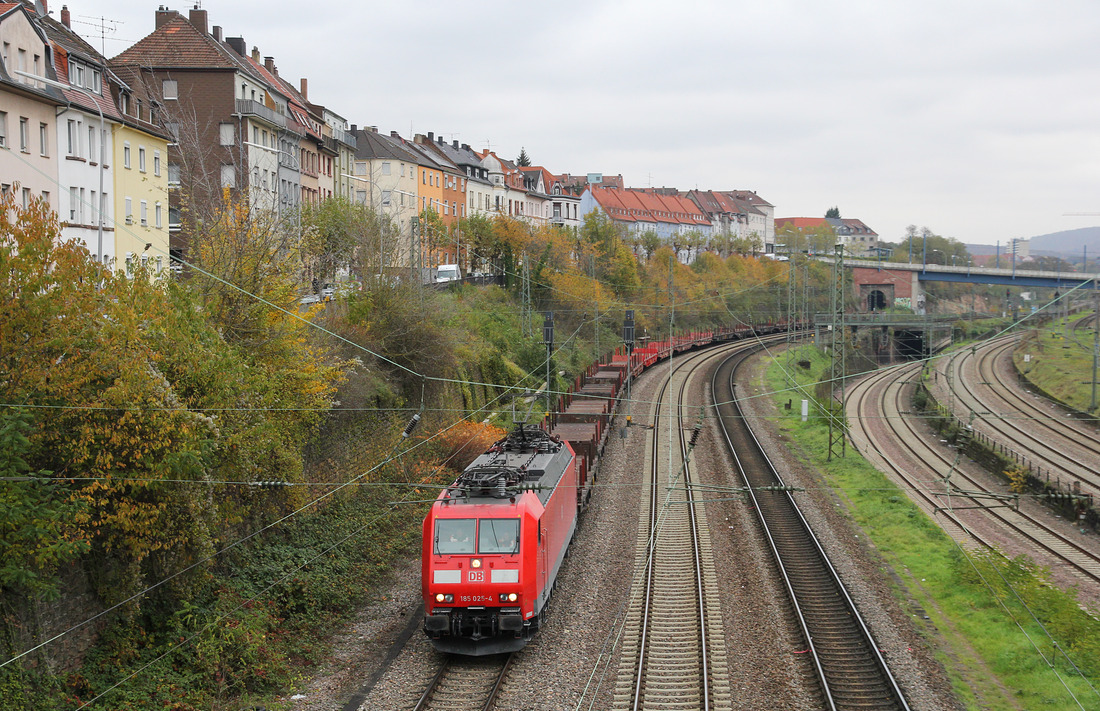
[
  {"x": 498, "y": 535},
  {"x": 454, "y": 535}
]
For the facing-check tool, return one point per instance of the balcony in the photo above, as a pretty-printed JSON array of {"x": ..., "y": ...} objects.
[
  {"x": 345, "y": 137},
  {"x": 248, "y": 107}
]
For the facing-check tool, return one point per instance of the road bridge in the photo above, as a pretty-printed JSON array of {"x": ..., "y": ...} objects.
[{"x": 880, "y": 285}]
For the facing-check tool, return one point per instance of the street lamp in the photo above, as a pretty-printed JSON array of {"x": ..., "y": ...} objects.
[{"x": 102, "y": 140}]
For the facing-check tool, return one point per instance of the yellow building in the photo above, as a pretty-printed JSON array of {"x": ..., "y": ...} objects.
[{"x": 140, "y": 188}]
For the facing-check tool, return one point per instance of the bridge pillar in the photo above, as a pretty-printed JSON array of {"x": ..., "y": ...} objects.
[{"x": 883, "y": 288}]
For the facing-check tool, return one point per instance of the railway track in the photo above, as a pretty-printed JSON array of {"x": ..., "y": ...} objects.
[
  {"x": 851, "y": 670},
  {"x": 944, "y": 487},
  {"x": 1059, "y": 445},
  {"x": 673, "y": 653},
  {"x": 465, "y": 684}
]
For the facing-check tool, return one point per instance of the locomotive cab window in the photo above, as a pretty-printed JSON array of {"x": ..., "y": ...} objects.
[
  {"x": 498, "y": 535},
  {"x": 454, "y": 536}
]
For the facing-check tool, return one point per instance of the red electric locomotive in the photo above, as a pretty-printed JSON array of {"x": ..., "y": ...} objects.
[{"x": 494, "y": 542}]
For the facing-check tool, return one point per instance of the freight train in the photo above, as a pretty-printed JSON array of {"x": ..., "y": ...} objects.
[{"x": 494, "y": 541}]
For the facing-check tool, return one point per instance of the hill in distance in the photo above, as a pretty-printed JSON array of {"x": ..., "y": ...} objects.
[{"x": 1068, "y": 244}]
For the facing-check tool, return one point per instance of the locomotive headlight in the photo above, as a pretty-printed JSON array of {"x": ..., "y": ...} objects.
[
  {"x": 440, "y": 597},
  {"x": 475, "y": 563},
  {"x": 508, "y": 597}
]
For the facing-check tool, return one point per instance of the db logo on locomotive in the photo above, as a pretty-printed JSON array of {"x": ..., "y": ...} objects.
[{"x": 477, "y": 576}]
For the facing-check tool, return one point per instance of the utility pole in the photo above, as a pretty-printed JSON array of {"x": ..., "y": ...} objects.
[
  {"x": 792, "y": 308},
  {"x": 838, "y": 370},
  {"x": 592, "y": 266},
  {"x": 548, "y": 340},
  {"x": 525, "y": 287},
  {"x": 1095, "y": 340},
  {"x": 628, "y": 341}
]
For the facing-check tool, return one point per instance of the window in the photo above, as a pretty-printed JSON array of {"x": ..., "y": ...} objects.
[
  {"x": 141, "y": 158},
  {"x": 498, "y": 535},
  {"x": 126, "y": 155},
  {"x": 144, "y": 213},
  {"x": 385, "y": 197},
  {"x": 255, "y": 134},
  {"x": 3, "y": 129},
  {"x": 46, "y": 196},
  {"x": 124, "y": 103},
  {"x": 454, "y": 535},
  {"x": 360, "y": 168},
  {"x": 26, "y": 198},
  {"x": 91, "y": 144},
  {"x": 423, "y": 177},
  {"x": 156, "y": 163},
  {"x": 229, "y": 176},
  {"x": 44, "y": 139},
  {"x": 228, "y": 134},
  {"x": 129, "y": 203},
  {"x": 173, "y": 174},
  {"x": 385, "y": 169},
  {"x": 24, "y": 139},
  {"x": 170, "y": 89},
  {"x": 74, "y": 200}
]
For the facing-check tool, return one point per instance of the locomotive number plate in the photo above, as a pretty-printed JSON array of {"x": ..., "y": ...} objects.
[
  {"x": 475, "y": 598},
  {"x": 477, "y": 576}
]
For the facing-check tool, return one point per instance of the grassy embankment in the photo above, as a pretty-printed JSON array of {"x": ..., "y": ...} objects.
[
  {"x": 987, "y": 617},
  {"x": 1060, "y": 361}
]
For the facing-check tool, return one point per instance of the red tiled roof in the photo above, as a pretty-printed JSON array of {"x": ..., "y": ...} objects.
[
  {"x": 178, "y": 43},
  {"x": 800, "y": 222},
  {"x": 78, "y": 98}
]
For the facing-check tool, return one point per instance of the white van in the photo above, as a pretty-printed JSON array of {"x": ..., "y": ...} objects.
[{"x": 447, "y": 272}]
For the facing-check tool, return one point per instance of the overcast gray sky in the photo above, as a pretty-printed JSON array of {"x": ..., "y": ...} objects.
[{"x": 979, "y": 119}]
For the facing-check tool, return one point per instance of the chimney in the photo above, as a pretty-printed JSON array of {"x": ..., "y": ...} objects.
[
  {"x": 164, "y": 15},
  {"x": 65, "y": 17},
  {"x": 198, "y": 19},
  {"x": 305, "y": 88},
  {"x": 439, "y": 140},
  {"x": 431, "y": 136},
  {"x": 354, "y": 128},
  {"x": 256, "y": 54},
  {"x": 269, "y": 64},
  {"x": 236, "y": 44},
  {"x": 372, "y": 129},
  {"x": 455, "y": 143},
  {"x": 465, "y": 146},
  {"x": 395, "y": 134},
  {"x": 218, "y": 33}
]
